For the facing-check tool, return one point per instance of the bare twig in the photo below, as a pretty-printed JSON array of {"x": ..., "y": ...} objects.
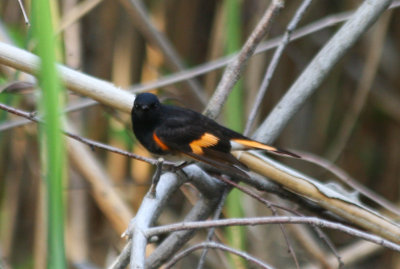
[
  {"x": 234, "y": 69},
  {"x": 330, "y": 245},
  {"x": 207, "y": 245},
  {"x": 319, "y": 67},
  {"x": 272, "y": 220},
  {"x": 24, "y": 13},
  {"x": 122, "y": 261},
  {"x": 84, "y": 140},
  {"x": 274, "y": 63},
  {"x": 84, "y": 103}
]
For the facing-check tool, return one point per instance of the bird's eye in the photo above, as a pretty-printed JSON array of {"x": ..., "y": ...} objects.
[
  {"x": 137, "y": 106},
  {"x": 154, "y": 105}
]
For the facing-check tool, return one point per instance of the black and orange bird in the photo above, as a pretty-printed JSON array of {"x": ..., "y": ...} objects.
[{"x": 180, "y": 132}]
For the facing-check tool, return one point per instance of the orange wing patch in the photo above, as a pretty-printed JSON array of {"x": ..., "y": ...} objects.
[
  {"x": 254, "y": 144},
  {"x": 159, "y": 142},
  {"x": 206, "y": 140}
]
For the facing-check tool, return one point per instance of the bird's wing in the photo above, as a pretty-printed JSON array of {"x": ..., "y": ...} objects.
[{"x": 188, "y": 136}]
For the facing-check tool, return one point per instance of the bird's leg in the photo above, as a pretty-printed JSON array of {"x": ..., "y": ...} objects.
[
  {"x": 175, "y": 167},
  {"x": 156, "y": 177},
  {"x": 183, "y": 165}
]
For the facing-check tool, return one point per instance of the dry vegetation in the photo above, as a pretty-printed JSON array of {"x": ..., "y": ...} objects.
[{"x": 349, "y": 124}]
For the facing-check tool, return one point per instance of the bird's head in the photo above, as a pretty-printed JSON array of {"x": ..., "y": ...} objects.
[{"x": 146, "y": 107}]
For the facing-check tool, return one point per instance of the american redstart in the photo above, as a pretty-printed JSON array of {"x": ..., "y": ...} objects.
[{"x": 171, "y": 130}]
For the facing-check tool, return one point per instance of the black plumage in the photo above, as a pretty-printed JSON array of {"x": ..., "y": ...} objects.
[{"x": 165, "y": 129}]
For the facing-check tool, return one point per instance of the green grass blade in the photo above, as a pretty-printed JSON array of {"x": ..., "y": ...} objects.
[
  {"x": 54, "y": 152},
  {"x": 234, "y": 117}
]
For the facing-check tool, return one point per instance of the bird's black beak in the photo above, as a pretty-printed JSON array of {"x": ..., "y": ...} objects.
[{"x": 145, "y": 108}]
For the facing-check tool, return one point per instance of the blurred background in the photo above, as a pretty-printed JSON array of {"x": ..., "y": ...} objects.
[{"x": 352, "y": 120}]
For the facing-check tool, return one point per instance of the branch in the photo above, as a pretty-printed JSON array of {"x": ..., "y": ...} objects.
[
  {"x": 89, "y": 142},
  {"x": 319, "y": 68},
  {"x": 97, "y": 89},
  {"x": 151, "y": 208},
  {"x": 271, "y": 220}
]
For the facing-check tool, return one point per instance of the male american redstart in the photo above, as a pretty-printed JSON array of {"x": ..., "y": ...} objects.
[{"x": 171, "y": 130}]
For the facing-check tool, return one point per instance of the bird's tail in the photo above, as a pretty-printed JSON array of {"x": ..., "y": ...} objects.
[{"x": 243, "y": 144}]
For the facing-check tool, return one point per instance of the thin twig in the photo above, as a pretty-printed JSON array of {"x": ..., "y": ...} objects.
[
  {"x": 330, "y": 245},
  {"x": 207, "y": 245},
  {"x": 122, "y": 261},
  {"x": 245, "y": 190},
  {"x": 24, "y": 13},
  {"x": 89, "y": 142},
  {"x": 274, "y": 63},
  {"x": 75, "y": 106},
  {"x": 235, "y": 68},
  {"x": 272, "y": 220}
]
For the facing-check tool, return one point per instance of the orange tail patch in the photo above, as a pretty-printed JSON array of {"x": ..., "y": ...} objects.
[
  {"x": 254, "y": 144},
  {"x": 251, "y": 144}
]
